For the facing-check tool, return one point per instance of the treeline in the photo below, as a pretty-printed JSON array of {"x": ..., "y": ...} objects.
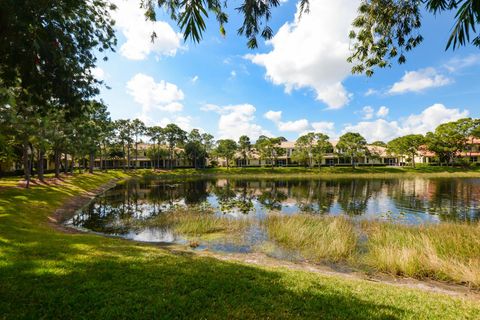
[{"x": 448, "y": 144}]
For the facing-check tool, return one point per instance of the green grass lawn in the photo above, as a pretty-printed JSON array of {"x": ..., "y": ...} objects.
[
  {"x": 329, "y": 172},
  {"x": 47, "y": 274}
]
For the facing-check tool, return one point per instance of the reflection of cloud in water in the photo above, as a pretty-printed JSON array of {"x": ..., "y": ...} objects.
[{"x": 152, "y": 235}]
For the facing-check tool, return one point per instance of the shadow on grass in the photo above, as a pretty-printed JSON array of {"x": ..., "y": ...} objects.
[{"x": 170, "y": 287}]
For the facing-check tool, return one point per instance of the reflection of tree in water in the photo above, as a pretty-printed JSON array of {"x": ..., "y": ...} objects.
[
  {"x": 234, "y": 195},
  {"x": 272, "y": 198},
  {"x": 450, "y": 199},
  {"x": 313, "y": 196},
  {"x": 353, "y": 195},
  {"x": 455, "y": 199},
  {"x": 409, "y": 194}
]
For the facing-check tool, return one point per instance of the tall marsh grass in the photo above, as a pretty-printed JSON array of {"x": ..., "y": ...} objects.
[
  {"x": 318, "y": 238},
  {"x": 447, "y": 251},
  {"x": 197, "y": 222}
]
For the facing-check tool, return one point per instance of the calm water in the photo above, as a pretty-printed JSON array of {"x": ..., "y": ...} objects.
[{"x": 409, "y": 201}]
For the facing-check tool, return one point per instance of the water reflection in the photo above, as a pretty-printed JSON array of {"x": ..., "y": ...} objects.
[{"x": 403, "y": 200}]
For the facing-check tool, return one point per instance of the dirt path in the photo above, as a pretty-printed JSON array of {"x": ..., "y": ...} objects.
[{"x": 72, "y": 205}]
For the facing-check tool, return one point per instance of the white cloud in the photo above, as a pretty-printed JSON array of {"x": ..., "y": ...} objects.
[
  {"x": 98, "y": 73},
  {"x": 457, "y": 63},
  {"x": 184, "y": 122},
  {"x": 294, "y": 126},
  {"x": 417, "y": 81},
  {"x": 130, "y": 20},
  {"x": 311, "y": 52},
  {"x": 367, "y": 112},
  {"x": 325, "y": 127},
  {"x": 233, "y": 74},
  {"x": 172, "y": 107},
  {"x": 370, "y": 92},
  {"x": 150, "y": 94},
  {"x": 421, "y": 123},
  {"x": 194, "y": 79},
  {"x": 382, "y": 112},
  {"x": 236, "y": 120},
  {"x": 274, "y": 116}
]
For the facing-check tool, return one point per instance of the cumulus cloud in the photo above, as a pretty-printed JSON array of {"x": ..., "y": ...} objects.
[
  {"x": 311, "y": 52},
  {"x": 417, "y": 81},
  {"x": 383, "y": 112},
  {"x": 292, "y": 126},
  {"x": 427, "y": 120},
  {"x": 325, "y": 127},
  {"x": 274, "y": 116},
  {"x": 149, "y": 94},
  {"x": 184, "y": 122},
  {"x": 367, "y": 112},
  {"x": 130, "y": 21},
  {"x": 236, "y": 120},
  {"x": 194, "y": 79}
]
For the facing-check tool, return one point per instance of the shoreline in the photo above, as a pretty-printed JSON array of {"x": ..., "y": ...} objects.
[{"x": 73, "y": 204}]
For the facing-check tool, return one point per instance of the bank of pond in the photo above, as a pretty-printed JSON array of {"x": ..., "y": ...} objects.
[{"x": 416, "y": 227}]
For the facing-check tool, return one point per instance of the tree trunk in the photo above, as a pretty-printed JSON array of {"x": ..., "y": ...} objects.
[
  {"x": 26, "y": 164},
  {"x": 92, "y": 160},
  {"x": 136, "y": 155},
  {"x": 353, "y": 162},
  {"x": 128, "y": 157},
  {"x": 124, "y": 163},
  {"x": 65, "y": 168},
  {"x": 41, "y": 168},
  {"x": 72, "y": 167},
  {"x": 57, "y": 163},
  {"x": 413, "y": 160}
]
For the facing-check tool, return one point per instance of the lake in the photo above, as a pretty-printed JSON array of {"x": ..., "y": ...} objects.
[{"x": 407, "y": 201}]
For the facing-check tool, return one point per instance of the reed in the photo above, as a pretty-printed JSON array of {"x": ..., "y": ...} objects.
[
  {"x": 316, "y": 237},
  {"x": 448, "y": 251}
]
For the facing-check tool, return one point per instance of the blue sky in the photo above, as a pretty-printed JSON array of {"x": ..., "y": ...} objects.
[{"x": 299, "y": 82}]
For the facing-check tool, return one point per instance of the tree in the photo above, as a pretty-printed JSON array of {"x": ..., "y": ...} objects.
[
  {"x": 352, "y": 145},
  {"x": 304, "y": 148},
  {"x": 449, "y": 139},
  {"x": 321, "y": 147},
  {"x": 386, "y": 30},
  {"x": 157, "y": 136},
  {"x": 244, "y": 147},
  {"x": 270, "y": 149},
  {"x": 190, "y": 16},
  {"x": 174, "y": 136},
  {"x": 194, "y": 148},
  {"x": 379, "y": 144},
  {"x": 226, "y": 148},
  {"x": 47, "y": 50},
  {"x": 138, "y": 129},
  {"x": 124, "y": 134},
  {"x": 408, "y": 145}
]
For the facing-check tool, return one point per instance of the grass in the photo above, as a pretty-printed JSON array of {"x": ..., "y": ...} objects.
[
  {"x": 448, "y": 251},
  {"x": 317, "y": 238},
  {"x": 47, "y": 274},
  {"x": 325, "y": 172},
  {"x": 196, "y": 222}
]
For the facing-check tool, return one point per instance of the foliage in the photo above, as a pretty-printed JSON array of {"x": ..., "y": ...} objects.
[
  {"x": 408, "y": 145},
  {"x": 387, "y": 30},
  {"x": 352, "y": 145},
  {"x": 191, "y": 16},
  {"x": 226, "y": 148},
  {"x": 269, "y": 149}
]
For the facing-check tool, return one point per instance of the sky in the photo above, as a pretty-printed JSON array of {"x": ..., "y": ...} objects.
[{"x": 297, "y": 82}]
